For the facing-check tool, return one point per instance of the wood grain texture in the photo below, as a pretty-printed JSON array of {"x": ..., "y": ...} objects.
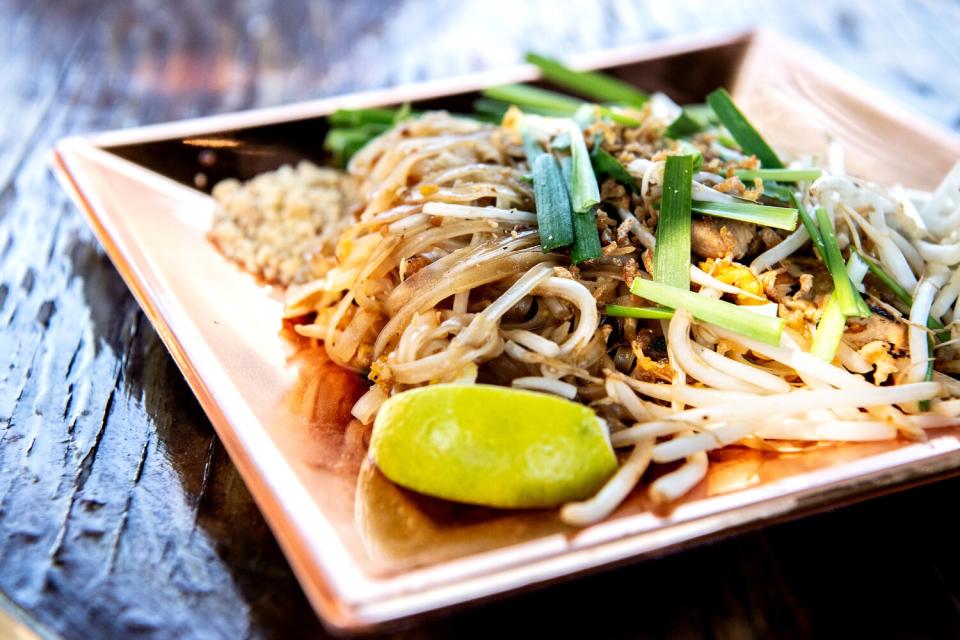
[{"x": 120, "y": 514}]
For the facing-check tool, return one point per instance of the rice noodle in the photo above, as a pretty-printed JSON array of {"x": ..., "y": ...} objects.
[
  {"x": 473, "y": 213},
  {"x": 438, "y": 276}
]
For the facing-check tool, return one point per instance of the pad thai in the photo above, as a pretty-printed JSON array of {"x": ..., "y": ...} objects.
[{"x": 663, "y": 265}]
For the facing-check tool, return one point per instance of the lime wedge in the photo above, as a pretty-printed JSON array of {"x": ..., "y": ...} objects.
[{"x": 492, "y": 446}]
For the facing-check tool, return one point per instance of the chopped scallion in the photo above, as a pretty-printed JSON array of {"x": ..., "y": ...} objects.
[
  {"x": 811, "y": 226},
  {"x": 689, "y": 149},
  {"x": 832, "y": 324},
  {"x": 402, "y": 113},
  {"x": 585, "y": 116},
  {"x": 902, "y": 294},
  {"x": 566, "y": 169},
  {"x": 924, "y": 405},
  {"x": 682, "y": 126},
  {"x": 531, "y": 146},
  {"x": 701, "y": 113},
  {"x": 495, "y": 109},
  {"x": 554, "y": 216},
  {"x": 342, "y": 143},
  {"x": 644, "y": 313},
  {"x": 748, "y": 139},
  {"x": 829, "y": 330},
  {"x": 605, "y": 164},
  {"x": 671, "y": 257},
  {"x": 851, "y": 304},
  {"x": 586, "y": 238},
  {"x": 532, "y": 99},
  {"x": 777, "y": 192},
  {"x": 726, "y": 142},
  {"x": 767, "y": 216},
  {"x": 584, "y": 192},
  {"x": 526, "y": 96},
  {"x": 599, "y": 86},
  {"x": 358, "y": 117},
  {"x": 584, "y": 198},
  {"x": 619, "y": 118},
  {"x": 780, "y": 175},
  {"x": 730, "y": 316}
]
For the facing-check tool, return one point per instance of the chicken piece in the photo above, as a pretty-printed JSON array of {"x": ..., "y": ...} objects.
[
  {"x": 879, "y": 326},
  {"x": 714, "y": 238}
]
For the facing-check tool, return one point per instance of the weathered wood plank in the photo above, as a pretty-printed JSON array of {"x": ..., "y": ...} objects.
[{"x": 120, "y": 514}]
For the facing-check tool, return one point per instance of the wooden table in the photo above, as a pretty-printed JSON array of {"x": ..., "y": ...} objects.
[{"x": 120, "y": 514}]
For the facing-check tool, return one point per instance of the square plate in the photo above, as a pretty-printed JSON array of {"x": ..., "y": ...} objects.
[{"x": 365, "y": 551}]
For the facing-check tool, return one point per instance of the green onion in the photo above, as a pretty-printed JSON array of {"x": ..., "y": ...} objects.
[
  {"x": 902, "y": 294},
  {"x": 402, "y": 113},
  {"x": 585, "y": 115},
  {"x": 851, "y": 304},
  {"x": 671, "y": 256},
  {"x": 561, "y": 141},
  {"x": 531, "y": 99},
  {"x": 749, "y": 140},
  {"x": 606, "y": 165},
  {"x": 497, "y": 109},
  {"x": 566, "y": 168},
  {"x": 488, "y": 106},
  {"x": 586, "y": 238},
  {"x": 730, "y": 316},
  {"x": 584, "y": 192},
  {"x": 731, "y": 144},
  {"x": 343, "y": 143},
  {"x": 531, "y": 146},
  {"x": 554, "y": 217},
  {"x": 358, "y": 117},
  {"x": 584, "y": 197},
  {"x": 780, "y": 175},
  {"x": 644, "y": 313},
  {"x": 924, "y": 405},
  {"x": 694, "y": 118},
  {"x": 701, "y": 113},
  {"x": 832, "y": 324},
  {"x": 599, "y": 86},
  {"x": 811, "y": 226},
  {"x": 689, "y": 149},
  {"x": 777, "y": 192},
  {"x": 526, "y": 96},
  {"x": 588, "y": 113},
  {"x": 767, "y": 216},
  {"x": 830, "y": 328},
  {"x": 619, "y": 117},
  {"x": 682, "y": 126}
]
